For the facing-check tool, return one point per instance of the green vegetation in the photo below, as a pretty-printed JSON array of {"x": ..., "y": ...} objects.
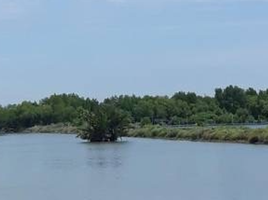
[
  {"x": 98, "y": 121},
  {"x": 106, "y": 123},
  {"x": 219, "y": 134},
  {"x": 64, "y": 128}
]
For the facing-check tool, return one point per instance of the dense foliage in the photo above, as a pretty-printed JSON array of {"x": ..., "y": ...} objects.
[
  {"x": 106, "y": 123},
  {"x": 112, "y": 116}
]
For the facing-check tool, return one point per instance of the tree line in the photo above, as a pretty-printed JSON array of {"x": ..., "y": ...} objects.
[{"x": 229, "y": 105}]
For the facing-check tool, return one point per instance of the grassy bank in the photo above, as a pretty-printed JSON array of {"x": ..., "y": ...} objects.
[
  {"x": 53, "y": 128},
  {"x": 219, "y": 134},
  {"x": 209, "y": 134}
]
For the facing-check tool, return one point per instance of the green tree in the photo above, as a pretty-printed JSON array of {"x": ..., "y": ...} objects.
[
  {"x": 105, "y": 124},
  {"x": 231, "y": 98},
  {"x": 145, "y": 121}
]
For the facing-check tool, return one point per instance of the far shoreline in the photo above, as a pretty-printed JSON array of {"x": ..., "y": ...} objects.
[{"x": 223, "y": 134}]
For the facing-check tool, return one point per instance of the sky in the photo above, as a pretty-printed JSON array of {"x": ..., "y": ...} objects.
[{"x": 100, "y": 48}]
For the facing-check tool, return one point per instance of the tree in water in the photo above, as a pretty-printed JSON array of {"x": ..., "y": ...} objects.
[{"x": 106, "y": 123}]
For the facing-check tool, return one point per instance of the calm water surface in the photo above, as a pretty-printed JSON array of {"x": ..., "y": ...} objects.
[{"x": 62, "y": 167}]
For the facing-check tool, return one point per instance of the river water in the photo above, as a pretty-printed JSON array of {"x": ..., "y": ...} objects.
[{"x": 62, "y": 167}]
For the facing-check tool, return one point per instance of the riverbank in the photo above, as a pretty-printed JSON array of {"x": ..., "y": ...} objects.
[
  {"x": 218, "y": 134},
  {"x": 53, "y": 128},
  {"x": 205, "y": 134}
]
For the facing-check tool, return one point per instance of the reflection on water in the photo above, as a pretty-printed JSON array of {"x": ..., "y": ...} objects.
[
  {"x": 104, "y": 155},
  {"x": 62, "y": 167}
]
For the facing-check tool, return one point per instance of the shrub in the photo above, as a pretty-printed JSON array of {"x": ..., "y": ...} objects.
[
  {"x": 253, "y": 139},
  {"x": 145, "y": 121}
]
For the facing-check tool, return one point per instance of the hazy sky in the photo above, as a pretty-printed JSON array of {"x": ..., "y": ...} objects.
[{"x": 99, "y": 48}]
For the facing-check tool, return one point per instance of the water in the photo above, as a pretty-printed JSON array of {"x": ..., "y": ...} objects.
[
  {"x": 62, "y": 167},
  {"x": 257, "y": 126}
]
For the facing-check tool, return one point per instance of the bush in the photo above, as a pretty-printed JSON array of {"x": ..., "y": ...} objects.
[
  {"x": 145, "y": 121},
  {"x": 253, "y": 140}
]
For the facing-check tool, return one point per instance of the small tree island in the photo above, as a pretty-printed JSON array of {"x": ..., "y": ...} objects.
[{"x": 104, "y": 123}]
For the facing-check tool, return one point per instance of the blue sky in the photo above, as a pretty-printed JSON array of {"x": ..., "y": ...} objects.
[{"x": 99, "y": 48}]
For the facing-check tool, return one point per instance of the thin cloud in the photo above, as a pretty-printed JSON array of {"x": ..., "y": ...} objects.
[
  {"x": 15, "y": 9},
  {"x": 9, "y": 9},
  {"x": 3, "y": 59}
]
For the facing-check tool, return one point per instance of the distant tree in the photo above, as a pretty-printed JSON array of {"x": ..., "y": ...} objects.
[
  {"x": 189, "y": 97},
  {"x": 145, "y": 121},
  {"x": 144, "y": 108},
  {"x": 231, "y": 98},
  {"x": 251, "y": 92},
  {"x": 242, "y": 115},
  {"x": 109, "y": 118}
]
